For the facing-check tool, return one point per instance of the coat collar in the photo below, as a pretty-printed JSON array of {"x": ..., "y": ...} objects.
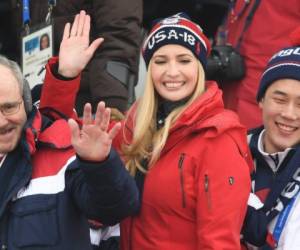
[
  {"x": 205, "y": 115},
  {"x": 39, "y": 130}
]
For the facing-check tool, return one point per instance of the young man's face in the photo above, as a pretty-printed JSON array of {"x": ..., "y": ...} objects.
[
  {"x": 10, "y": 100},
  {"x": 281, "y": 115}
]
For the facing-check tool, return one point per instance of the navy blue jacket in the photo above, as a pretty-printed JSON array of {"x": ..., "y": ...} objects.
[{"x": 48, "y": 192}]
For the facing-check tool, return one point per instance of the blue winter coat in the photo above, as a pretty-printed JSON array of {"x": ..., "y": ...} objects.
[{"x": 48, "y": 192}]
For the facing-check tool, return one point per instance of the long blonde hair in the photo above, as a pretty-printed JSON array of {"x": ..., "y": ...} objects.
[{"x": 148, "y": 141}]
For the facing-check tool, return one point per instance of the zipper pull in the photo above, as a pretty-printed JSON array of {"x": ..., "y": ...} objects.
[
  {"x": 207, "y": 191},
  {"x": 206, "y": 183},
  {"x": 180, "y": 166},
  {"x": 181, "y": 158}
]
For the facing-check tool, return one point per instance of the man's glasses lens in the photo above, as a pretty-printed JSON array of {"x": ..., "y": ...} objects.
[{"x": 10, "y": 108}]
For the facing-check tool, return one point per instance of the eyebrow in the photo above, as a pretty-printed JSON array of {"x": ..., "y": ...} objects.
[
  {"x": 180, "y": 55},
  {"x": 278, "y": 92},
  {"x": 281, "y": 93},
  {"x": 9, "y": 103}
]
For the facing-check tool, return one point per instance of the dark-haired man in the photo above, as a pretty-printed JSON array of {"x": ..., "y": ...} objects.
[{"x": 273, "y": 215}]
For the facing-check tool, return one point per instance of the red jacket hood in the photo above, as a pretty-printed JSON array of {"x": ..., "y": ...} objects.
[
  {"x": 207, "y": 111},
  {"x": 206, "y": 115}
]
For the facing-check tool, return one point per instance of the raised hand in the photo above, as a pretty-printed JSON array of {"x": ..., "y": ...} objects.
[
  {"x": 93, "y": 142},
  {"x": 75, "y": 49}
]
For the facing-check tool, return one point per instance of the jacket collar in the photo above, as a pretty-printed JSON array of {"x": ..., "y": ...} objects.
[
  {"x": 206, "y": 115},
  {"x": 41, "y": 131}
]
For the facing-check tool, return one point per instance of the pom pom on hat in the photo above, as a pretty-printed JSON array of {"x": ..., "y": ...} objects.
[
  {"x": 177, "y": 29},
  {"x": 284, "y": 64}
]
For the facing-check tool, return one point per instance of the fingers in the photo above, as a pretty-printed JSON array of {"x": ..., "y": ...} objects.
[
  {"x": 95, "y": 44},
  {"x": 75, "y": 132},
  {"x": 81, "y": 27},
  {"x": 99, "y": 112},
  {"x": 81, "y": 22},
  {"x": 75, "y": 26},
  {"x": 66, "y": 31},
  {"x": 87, "y": 26},
  {"x": 87, "y": 114},
  {"x": 102, "y": 117},
  {"x": 114, "y": 131},
  {"x": 105, "y": 119}
]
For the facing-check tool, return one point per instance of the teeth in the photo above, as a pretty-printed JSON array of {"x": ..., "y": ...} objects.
[
  {"x": 286, "y": 127},
  {"x": 173, "y": 84}
]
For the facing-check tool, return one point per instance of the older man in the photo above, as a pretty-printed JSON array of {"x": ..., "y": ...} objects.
[{"x": 53, "y": 173}]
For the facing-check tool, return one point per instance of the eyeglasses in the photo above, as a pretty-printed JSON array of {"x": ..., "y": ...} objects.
[{"x": 10, "y": 108}]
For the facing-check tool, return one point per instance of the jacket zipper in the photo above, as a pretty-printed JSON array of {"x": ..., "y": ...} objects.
[
  {"x": 180, "y": 166},
  {"x": 207, "y": 191}
]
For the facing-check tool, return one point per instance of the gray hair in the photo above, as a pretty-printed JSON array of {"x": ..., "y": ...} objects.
[{"x": 15, "y": 69}]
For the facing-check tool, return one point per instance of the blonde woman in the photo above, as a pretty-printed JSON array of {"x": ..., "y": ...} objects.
[{"x": 187, "y": 153}]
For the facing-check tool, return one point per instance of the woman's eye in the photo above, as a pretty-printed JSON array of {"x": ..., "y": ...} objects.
[
  {"x": 159, "y": 62},
  {"x": 185, "y": 61}
]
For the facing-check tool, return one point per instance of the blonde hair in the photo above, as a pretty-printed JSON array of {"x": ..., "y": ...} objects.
[{"x": 148, "y": 141}]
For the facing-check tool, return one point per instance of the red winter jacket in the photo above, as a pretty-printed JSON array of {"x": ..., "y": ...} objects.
[{"x": 195, "y": 196}]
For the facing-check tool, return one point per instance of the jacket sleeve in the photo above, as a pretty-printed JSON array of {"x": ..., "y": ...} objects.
[
  {"x": 103, "y": 191},
  {"x": 255, "y": 226},
  {"x": 58, "y": 94},
  {"x": 223, "y": 187}
]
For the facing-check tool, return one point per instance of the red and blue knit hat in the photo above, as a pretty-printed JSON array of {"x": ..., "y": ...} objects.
[
  {"x": 177, "y": 29},
  {"x": 284, "y": 64}
]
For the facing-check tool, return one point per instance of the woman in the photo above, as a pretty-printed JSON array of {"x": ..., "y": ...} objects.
[
  {"x": 187, "y": 153},
  {"x": 44, "y": 41}
]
